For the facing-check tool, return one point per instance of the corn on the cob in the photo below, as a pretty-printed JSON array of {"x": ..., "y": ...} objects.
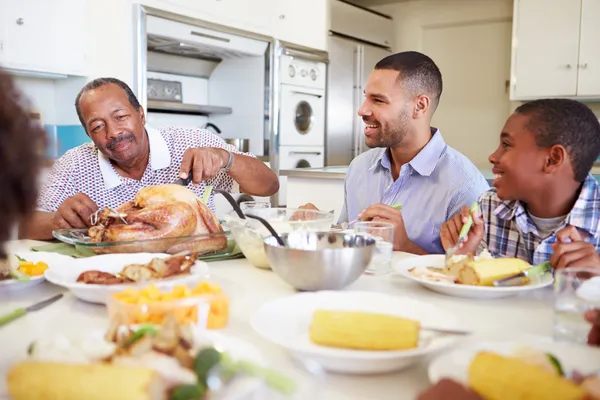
[
  {"x": 495, "y": 377},
  {"x": 485, "y": 272},
  {"x": 363, "y": 331}
]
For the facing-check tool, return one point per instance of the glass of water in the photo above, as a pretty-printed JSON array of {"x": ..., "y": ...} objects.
[
  {"x": 383, "y": 233},
  {"x": 251, "y": 205},
  {"x": 576, "y": 290}
]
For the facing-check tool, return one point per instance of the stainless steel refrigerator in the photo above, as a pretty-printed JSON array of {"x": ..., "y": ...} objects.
[{"x": 354, "y": 48}]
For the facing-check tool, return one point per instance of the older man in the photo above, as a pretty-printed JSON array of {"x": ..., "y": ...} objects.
[
  {"x": 126, "y": 156},
  {"x": 409, "y": 161}
]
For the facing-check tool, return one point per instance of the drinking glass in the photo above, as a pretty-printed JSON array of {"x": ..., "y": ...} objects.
[
  {"x": 576, "y": 290},
  {"x": 383, "y": 233},
  {"x": 251, "y": 205}
]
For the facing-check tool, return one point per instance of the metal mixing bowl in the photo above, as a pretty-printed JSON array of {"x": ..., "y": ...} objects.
[{"x": 320, "y": 260}]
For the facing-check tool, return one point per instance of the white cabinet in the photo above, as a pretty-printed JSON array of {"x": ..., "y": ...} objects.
[
  {"x": 302, "y": 22},
  {"x": 43, "y": 36},
  {"x": 555, "y": 49}
]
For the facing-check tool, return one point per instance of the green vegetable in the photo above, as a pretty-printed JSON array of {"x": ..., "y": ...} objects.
[
  {"x": 205, "y": 360},
  {"x": 272, "y": 378},
  {"x": 556, "y": 364},
  {"x": 18, "y": 276},
  {"x": 143, "y": 330},
  {"x": 187, "y": 392}
]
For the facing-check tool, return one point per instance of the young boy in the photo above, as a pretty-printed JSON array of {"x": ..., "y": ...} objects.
[{"x": 545, "y": 204}]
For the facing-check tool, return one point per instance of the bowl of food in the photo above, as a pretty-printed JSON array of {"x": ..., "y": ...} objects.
[
  {"x": 249, "y": 234},
  {"x": 319, "y": 260},
  {"x": 203, "y": 306}
]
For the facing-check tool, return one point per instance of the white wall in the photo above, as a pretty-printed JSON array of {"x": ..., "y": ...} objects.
[{"x": 40, "y": 94}]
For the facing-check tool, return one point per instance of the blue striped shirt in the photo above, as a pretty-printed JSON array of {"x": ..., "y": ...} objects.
[
  {"x": 510, "y": 231},
  {"x": 432, "y": 188}
]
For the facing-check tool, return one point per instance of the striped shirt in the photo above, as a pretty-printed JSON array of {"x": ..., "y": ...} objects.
[
  {"x": 511, "y": 232},
  {"x": 432, "y": 187},
  {"x": 84, "y": 169}
]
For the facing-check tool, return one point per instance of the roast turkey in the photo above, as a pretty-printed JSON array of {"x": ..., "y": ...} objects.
[{"x": 162, "y": 215}]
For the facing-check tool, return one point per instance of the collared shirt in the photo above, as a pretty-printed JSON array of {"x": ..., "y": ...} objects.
[
  {"x": 511, "y": 232},
  {"x": 432, "y": 187},
  {"x": 84, "y": 169}
]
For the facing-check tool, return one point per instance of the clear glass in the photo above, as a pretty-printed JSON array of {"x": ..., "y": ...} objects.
[
  {"x": 383, "y": 233},
  {"x": 576, "y": 290},
  {"x": 251, "y": 205}
]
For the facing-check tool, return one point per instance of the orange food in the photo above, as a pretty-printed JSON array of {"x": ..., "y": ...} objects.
[
  {"x": 30, "y": 268},
  {"x": 150, "y": 305}
]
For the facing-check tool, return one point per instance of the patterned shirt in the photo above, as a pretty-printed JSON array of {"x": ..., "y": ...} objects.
[
  {"x": 511, "y": 232},
  {"x": 84, "y": 169},
  {"x": 432, "y": 187}
]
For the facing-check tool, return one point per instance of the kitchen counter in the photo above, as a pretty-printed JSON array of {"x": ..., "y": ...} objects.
[
  {"x": 317, "y": 173},
  {"x": 249, "y": 288}
]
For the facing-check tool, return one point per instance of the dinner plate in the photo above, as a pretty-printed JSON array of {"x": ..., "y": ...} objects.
[
  {"x": 65, "y": 274},
  {"x": 52, "y": 259},
  {"x": 468, "y": 291},
  {"x": 286, "y": 323},
  {"x": 455, "y": 364}
]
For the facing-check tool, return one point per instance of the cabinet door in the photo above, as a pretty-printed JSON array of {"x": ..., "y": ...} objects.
[
  {"x": 545, "y": 48},
  {"x": 44, "y": 36},
  {"x": 302, "y": 22},
  {"x": 589, "y": 50}
]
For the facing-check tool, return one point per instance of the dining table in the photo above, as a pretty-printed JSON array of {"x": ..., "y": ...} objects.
[{"x": 529, "y": 313}]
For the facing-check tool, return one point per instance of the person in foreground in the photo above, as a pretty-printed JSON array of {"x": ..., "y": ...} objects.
[
  {"x": 545, "y": 205},
  {"x": 409, "y": 161},
  {"x": 126, "y": 156},
  {"x": 448, "y": 389},
  {"x": 21, "y": 146}
]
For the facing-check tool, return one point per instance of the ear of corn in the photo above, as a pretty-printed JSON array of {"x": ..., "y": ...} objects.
[
  {"x": 485, "y": 272},
  {"x": 495, "y": 377},
  {"x": 363, "y": 331}
]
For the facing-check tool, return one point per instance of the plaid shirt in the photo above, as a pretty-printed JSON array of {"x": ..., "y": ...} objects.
[{"x": 510, "y": 232}]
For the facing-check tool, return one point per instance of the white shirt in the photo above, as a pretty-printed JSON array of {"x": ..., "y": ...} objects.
[{"x": 84, "y": 169}]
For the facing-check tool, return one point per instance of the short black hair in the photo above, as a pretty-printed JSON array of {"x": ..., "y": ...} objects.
[
  {"x": 568, "y": 123},
  {"x": 418, "y": 73},
  {"x": 99, "y": 82}
]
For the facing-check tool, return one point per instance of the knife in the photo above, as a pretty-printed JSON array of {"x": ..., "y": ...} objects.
[
  {"x": 19, "y": 312},
  {"x": 519, "y": 279},
  {"x": 184, "y": 182}
]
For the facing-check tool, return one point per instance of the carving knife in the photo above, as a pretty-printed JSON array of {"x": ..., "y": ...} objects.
[{"x": 19, "y": 312}]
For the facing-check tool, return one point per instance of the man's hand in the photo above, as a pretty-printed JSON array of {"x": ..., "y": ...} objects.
[
  {"x": 570, "y": 250},
  {"x": 302, "y": 216},
  {"x": 451, "y": 230},
  {"x": 384, "y": 213},
  {"x": 74, "y": 212},
  {"x": 593, "y": 317},
  {"x": 447, "y": 389},
  {"x": 204, "y": 162}
]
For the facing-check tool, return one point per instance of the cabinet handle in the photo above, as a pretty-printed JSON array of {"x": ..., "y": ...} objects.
[
  {"x": 583, "y": 66},
  {"x": 568, "y": 66},
  {"x": 308, "y": 94},
  {"x": 282, "y": 16},
  {"x": 293, "y": 153},
  {"x": 20, "y": 21}
]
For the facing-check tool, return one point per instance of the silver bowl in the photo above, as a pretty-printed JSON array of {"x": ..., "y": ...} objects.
[{"x": 320, "y": 260}]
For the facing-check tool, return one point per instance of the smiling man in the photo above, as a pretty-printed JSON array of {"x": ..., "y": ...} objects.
[
  {"x": 126, "y": 156},
  {"x": 409, "y": 162}
]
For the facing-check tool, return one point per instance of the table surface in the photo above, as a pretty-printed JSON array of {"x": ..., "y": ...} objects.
[{"x": 250, "y": 287}]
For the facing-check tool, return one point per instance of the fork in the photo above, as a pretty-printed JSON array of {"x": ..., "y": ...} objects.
[{"x": 464, "y": 232}]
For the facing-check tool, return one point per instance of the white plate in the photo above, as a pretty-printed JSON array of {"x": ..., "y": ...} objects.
[
  {"x": 455, "y": 364},
  {"x": 52, "y": 259},
  {"x": 456, "y": 290},
  {"x": 65, "y": 274},
  {"x": 286, "y": 322}
]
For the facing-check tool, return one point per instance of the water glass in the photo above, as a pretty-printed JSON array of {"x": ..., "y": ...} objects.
[
  {"x": 383, "y": 233},
  {"x": 251, "y": 205},
  {"x": 576, "y": 290}
]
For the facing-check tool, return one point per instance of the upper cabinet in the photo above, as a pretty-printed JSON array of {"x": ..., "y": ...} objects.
[
  {"x": 43, "y": 36},
  {"x": 555, "y": 51},
  {"x": 302, "y": 22}
]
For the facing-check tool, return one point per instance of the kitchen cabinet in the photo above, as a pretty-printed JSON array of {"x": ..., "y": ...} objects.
[
  {"x": 302, "y": 22},
  {"x": 555, "y": 49},
  {"x": 43, "y": 36}
]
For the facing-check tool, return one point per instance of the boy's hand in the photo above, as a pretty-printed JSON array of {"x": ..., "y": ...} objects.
[
  {"x": 570, "y": 250},
  {"x": 451, "y": 230}
]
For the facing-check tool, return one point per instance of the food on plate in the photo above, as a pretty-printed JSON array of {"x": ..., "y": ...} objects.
[
  {"x": 30, "y": 268},
  {"x": 146, "y": 362},
  {"x": 10, "y": 269},
  {"x": 363, "y": 331},
  {"x": 189, "y": 306},
  {"x": 57, "y": 381},
  {"x": 527, "y": 373},
  {"x": 159, "y": 212},
  {"x": 157, "y": 268},
  {"x": 485, "y": 272}
]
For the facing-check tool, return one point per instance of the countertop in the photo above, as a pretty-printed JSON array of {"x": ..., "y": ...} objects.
[
  {"x": 338, "y": 172},
  {"x": 249, "y": 288}
]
